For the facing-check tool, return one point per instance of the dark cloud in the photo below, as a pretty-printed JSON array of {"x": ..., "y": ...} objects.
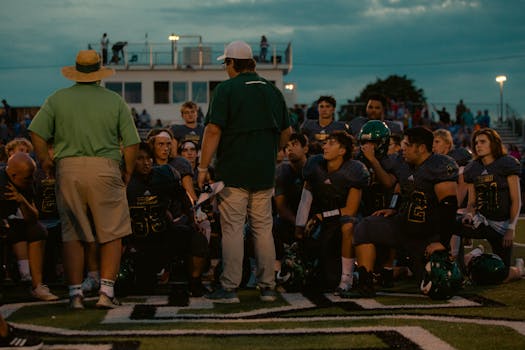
[{"x": 451, "y": 48}]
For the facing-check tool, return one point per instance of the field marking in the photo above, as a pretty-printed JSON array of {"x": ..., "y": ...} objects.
[
  {"x": 296, "y": 301},
  {"x": 373, "y": 304},
  {"x": 418, "y": 335}
]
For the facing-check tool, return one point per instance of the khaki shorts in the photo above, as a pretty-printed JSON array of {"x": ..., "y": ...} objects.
[{"x": 91, "y": 200}]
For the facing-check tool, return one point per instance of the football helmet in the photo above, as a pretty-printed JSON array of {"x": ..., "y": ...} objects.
[
  {"x": 442, "y": 277},
  {"x": 377, "y": 132},
  {"x": 487, "y": 269}
]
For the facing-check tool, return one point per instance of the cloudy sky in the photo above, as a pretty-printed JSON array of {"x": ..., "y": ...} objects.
[{"x": 452, "y": 49}]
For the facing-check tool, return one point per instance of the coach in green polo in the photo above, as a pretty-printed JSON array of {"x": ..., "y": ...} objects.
[
  {"x": 89, "y": 125},
  {"x": 247, "y": 122}
]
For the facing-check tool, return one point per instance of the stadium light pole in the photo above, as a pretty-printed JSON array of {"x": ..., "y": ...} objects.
[
  {"x": 176, "y": 37},
  {"x": 501, "y": 79}
]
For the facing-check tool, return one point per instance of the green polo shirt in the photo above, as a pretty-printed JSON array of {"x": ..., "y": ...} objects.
[
  {"x": 86, "y": 120},
  {"x": 251, "y": 113}
]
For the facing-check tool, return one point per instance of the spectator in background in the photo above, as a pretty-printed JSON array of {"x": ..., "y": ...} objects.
[
  {"x": 514, "y": 151},
  {"x": 10, "y": 117},
  {"x": 444, "y": 116},
  {"x": 158, "y": 124},
  {"x": 118, "y": 49},
  {"x": 478, "y": 120},
  {"x": 264, "y": 49},
  {"x": 484, "y": 121},
  {"x": 4, "y": 131},
  {"x": 145, "y": 120},
  {"x": 468, "y": 120},
  {"x": 135, "y": 116},
  {"x": 104, "y": 42},
  {"x": 460, "y": 109}
]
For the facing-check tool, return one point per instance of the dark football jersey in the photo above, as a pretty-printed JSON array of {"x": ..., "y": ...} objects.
[
  {"x": 376, "y": 196},
  {"x": 418, "y": 198},
  {"x": 461, "y": 155},
  {"x": 45, "y": 198},
  {"x": 317, "y": 133},
  {"x": 150, "y": 200},
  {"x": 492, "y": 188},
  {"x": 182, "y": 165},
  {"x": 330, "y": 190},
  {"x": 289, "y": 183},
  {"x": 183, "y": 133}
]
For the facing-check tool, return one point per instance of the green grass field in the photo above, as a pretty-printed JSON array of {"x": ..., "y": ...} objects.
[{"x": 490, "y": 317}]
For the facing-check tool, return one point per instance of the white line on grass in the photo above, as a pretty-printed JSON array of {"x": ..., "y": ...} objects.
[{"x": 418, "y": 335}]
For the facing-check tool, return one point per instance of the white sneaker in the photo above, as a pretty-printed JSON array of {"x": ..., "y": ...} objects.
[
  {"x": 42, "y": 292},
  {"x": 105, "y": 302},
  {"x": 90, "y": 285}
]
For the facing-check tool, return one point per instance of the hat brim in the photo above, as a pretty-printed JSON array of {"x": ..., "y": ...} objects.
[
  {"x": 71, "y": 73},
  {"x": 221, "y": 57}
]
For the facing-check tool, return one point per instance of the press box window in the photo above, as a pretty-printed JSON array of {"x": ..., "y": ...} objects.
[
  {"x": 180, "y": 92},
  {"x": 161, "y": 92},
  {"x": 116, "y": 87},
  {"x": 133, "y": 92},
  {"x": 199, "y": 92}
]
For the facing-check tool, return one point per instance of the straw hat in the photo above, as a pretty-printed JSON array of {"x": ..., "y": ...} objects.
[{"x": 88, "y": 68}]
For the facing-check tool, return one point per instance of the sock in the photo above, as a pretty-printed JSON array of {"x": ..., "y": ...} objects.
[
  {"x": 23, "y": 267},
  {"x": 106, "y": 287},
  {"x": 75, "y": 289},
  {"x": 94, "y": 274},
  {"x": 347, "y": 275}
]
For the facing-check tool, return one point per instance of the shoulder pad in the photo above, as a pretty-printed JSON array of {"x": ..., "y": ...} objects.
[
  {"x": 508, "y": 165},
  {"x": 461, "y": 155},
  {"x": 312, "y": 166},
  {"x": 182, "y": 165},
  {"x": 443, "y": 168},
  {"x": 356, "y": 124},
  {"x": 356, "y": 173},
  {"x": 167, "y": 171},
  {"x": 472, "y": 170}
]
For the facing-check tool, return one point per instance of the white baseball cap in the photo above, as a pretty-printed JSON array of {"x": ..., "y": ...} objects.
[{"x": 237, "y": 49}]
